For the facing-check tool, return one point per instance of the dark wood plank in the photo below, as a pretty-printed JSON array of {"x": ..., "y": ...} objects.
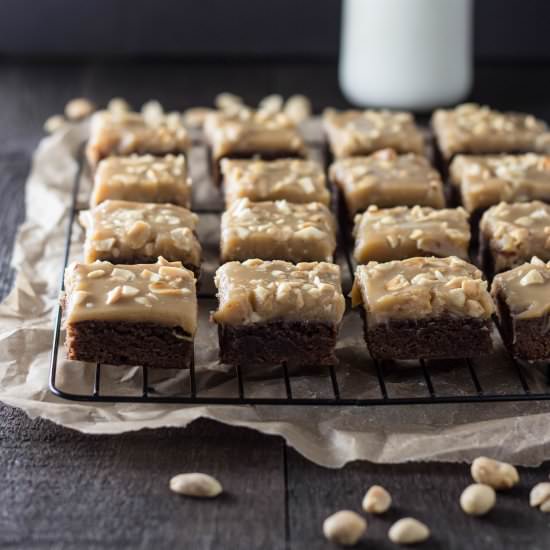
[
  {"x": 13, "y": 169},
  {"x": 429, "y": 492},
  {"x": 63, "y": 489}
]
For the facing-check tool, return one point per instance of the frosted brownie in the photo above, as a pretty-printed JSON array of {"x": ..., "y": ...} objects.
[
  {"x": 424, "y": 308},
  {"x": 143, "y": 179},
  {"x": 245, "y": 133},
  {"x": 294, "y": 180},
  {"x": 387, "y": 179},
  {"x": 476, "y": 129},
  {"x": 351, "y": 133},
  {"x": 274, "y": 312},
  {"x": 123, "y": 133},
  {"x": 135, "y": 232},
  {"x": 522, "y": 296},
  {"x": 277, "y": 230},
  {"x": 485, "y": 181},
  {"x": 130, "y": 315},
  {"x": 384, "y": 234},
  {"x": 510, "y": 234}
]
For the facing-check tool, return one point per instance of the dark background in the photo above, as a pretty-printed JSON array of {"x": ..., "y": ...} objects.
[{"x": 504, "y": 29}]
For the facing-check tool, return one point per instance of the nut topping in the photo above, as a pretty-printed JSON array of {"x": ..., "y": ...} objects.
[{"x": 114, "y": 295}]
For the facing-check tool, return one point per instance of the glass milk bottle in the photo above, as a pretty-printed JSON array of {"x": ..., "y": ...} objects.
[{"x": 406, "y": 54}]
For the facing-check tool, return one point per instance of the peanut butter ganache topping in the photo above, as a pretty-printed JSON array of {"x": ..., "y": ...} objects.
[
  {"x": 124, "y": 132},
  {"x": 258, "y": 291},
  {"x": 244, "y": 131},
  {"x": 422, "y": 287},
  {"x": 473, "y": 128},
  {"x": 162, "y": 293},
  {"x": 526, "y": 289},
  {"x": 354, "y": 132}
]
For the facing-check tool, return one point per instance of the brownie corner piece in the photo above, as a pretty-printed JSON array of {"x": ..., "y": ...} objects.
[
  {"x": 143, "y": 315},
  {"x": 274, "y": 312},
  {"x": 511, "y": 234},
  {"x": 522, "y": 298},
  {"x": 424, "y": 308}
]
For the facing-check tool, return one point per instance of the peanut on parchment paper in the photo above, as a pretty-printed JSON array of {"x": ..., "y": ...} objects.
[{"x": 496, "y": 474}]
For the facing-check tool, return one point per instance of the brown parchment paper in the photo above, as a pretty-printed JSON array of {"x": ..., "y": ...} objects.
[{"x": 518, "y": 432}]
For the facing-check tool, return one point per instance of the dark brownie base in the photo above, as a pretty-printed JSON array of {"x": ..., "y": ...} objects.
[
  {"x": 527, "y": 339},
  {"x": 129, "y": 343},
  {"x": 293, "y": 342},
  {"x": 439, "y": 338}
]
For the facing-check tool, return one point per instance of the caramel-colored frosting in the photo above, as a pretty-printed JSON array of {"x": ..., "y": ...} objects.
[
  {"x": 401, "y": 232},
  {"x": 525, "y": 289},
  {"x": 484, "y": 181},
  {"x": 162, "y": 293},
  {"x": 294, "y": 180},
  {"x": 477, "y": 129},
  {"x": 124, "y": 132},
  {"x": 256, "y": 291},
  {"x": 516, "y": 232},
  {"x": 278, "y": 229},
  {"x": 247, "y": 132},
  {"x": 387, "y": 179},
  {"x": 123, "y": 232},
  {"x": 423, "y": 287},
  {"x": 143, "y": 179},
  {"x": 352, "y": 133}
]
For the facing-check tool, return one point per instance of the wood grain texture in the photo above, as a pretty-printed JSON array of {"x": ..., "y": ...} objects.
[
  {"x": 429, "y": 492},
  {"x": 63, "y": 489}
]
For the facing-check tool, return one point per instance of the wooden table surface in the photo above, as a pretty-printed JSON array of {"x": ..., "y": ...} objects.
[{"x": 63, "y": 489}]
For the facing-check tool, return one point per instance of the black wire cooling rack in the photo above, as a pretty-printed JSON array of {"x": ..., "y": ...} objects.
[{"x": 381, "y": 373}]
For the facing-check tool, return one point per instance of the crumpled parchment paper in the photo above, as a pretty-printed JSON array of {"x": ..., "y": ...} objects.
[{"x": 329, "y": 436}]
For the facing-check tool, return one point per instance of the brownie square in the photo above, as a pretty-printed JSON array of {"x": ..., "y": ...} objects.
[
  {"x": 483, "y": 181},
  {"x": 130, "y": 315},
  {"x": 277, "y": 230},
  {"x": 124, "y": 232},
  {"x": 385, "y": 234},
  {"x": 522, "y": 297},
  {"x": 143, "y": 179},
  {"x": 351, "y": 133},
  {"x": 124, "y": 133},
  {"x": 275, "y": 312},
  {"x": 294, "y": 180},
  {"x": 245, "y": 133},
  {"x": 511, "y": 234},
  {"x": 387, "y": 179},
  {"x": 424, "y": 307},
  {"x": 478, "y": 129}
]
